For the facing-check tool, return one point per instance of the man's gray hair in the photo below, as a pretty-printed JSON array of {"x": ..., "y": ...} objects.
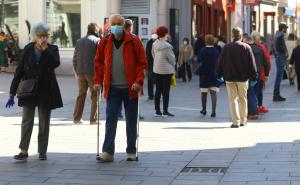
[
  {"x": 117, "y": 15},
  {"x": 237, "y": 33},
  {"x": 40, "y": 29},
  {"x": 256, "y": 36}
]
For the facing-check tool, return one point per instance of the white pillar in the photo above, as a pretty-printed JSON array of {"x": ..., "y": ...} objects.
[
  {"x": 113, "y": 7},
  {"x": 162, "y": 13},
  {"x": 92, "y": 11},
  {"x": 32, "y": 10}
]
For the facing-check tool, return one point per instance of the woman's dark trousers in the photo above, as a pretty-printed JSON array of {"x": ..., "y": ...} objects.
[
  {"x": 162, "y": 83},
  {"x": 27, "y": 126}
]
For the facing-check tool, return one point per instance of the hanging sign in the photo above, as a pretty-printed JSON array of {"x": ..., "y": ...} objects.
[
  {"x": 230, "y": 5},
  {"x": 250, "y": 2}
]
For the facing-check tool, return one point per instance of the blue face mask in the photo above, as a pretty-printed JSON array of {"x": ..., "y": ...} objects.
[{"x": 116, "y": 30}]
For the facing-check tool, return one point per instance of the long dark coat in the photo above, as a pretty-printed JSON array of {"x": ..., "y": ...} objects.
[{"x": 48, "y": 93}]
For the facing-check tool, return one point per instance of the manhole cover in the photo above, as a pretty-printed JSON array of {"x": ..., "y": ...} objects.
[{"x": 214, "y": 170}]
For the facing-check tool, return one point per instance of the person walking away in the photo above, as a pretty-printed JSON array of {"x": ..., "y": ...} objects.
[
  {"x": 295, "y": 62},
  {"x": 237, "y": 65},
  {"x": 163, "y": 69},
  {"x": 208, "y": 58},
  {"x": 149, "y": 45},
  {"x": 253, "y": 90},
  {"x": 119, "y": 65},
  {"x": 291, "y": 43},
  {"x": 38, "y": 62},
  {"x": 281, "y": 54},
  {"x": 262, "y": 80},
  {"x": 184, "y": 58},
  {"x": 83, "y": 63},
  {"x": 3, "y": 52}
]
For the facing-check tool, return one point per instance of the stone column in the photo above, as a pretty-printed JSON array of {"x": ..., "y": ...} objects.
[{"x": 162, "y": 13}]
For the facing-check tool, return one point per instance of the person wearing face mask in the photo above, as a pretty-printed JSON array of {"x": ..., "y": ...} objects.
[
  {"x": 37, "y": 64},
  {"x": 149, "y": 45},
  {"x": 185, "y": 57},
  {"x": 83, "y": 63},
  {"x": 119, "y": 65}
]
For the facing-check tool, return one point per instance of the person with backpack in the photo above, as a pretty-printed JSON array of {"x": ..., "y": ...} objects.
[
  {"x": 263, "y": 77},
  {"x": 261, "y": 62},
  {"x": 119, "y": 65}
]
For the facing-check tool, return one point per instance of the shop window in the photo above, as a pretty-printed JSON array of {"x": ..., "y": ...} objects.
[
  {"x": 63, "y": 17},
  {"x": 9, "y": 15}
]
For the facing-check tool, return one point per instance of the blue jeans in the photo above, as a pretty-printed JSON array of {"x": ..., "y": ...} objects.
[
  {"x": 280, "y": 64},
  {"x": 259, "y": 92},
  {"x": 114, "y": 102},
  {"x": 252, "y": 100}
]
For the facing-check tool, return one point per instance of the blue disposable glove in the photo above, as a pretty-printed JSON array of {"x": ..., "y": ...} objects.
[
  {"x": 10, "y": 102},
  {"x": 221, "y": 80},
  {"x": 253, "y": 83}
]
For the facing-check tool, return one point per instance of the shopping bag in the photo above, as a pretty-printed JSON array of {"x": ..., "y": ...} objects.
[{"x": 173, "y": 81}]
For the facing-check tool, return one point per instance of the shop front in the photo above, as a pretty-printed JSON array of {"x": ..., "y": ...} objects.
[{"x": 209, "y": 17}]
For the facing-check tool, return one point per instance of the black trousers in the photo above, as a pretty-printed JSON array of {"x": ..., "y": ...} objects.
[
  {"x": 298, "y": 80},
  {"x": 150, "y": 82},
  {"x": 162, "y": 83},
  {"x": 186, "y": 68}
]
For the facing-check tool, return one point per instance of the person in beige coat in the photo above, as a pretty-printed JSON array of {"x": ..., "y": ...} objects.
[
  {"x": 186, "y": 53},
  {"x": 291, "y": 44}
]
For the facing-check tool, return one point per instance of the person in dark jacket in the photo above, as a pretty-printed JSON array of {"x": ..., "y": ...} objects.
[
  {"x": 256, "y": 87},
  {"x": 149, "y": 45},
  {"x": 295, "y": 60},
  {"x": 237, "y": 65},
  {"x": 281, "y": 54},
  {"x": 83, "y": 63},
  {"x": 208, "y": 58},
  {"x": 38, "y": 62}
]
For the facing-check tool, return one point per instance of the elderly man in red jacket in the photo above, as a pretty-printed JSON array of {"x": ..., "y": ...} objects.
[{"x": 119, "y": 65}]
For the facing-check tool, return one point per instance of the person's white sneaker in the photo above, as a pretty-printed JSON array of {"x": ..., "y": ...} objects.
[
  {"x": 78, "y": 122},
  {"x": 105, "y": 157},
  {"x": 131, "y": 157}
]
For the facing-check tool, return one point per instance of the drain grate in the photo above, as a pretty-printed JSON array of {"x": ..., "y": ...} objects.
[{"x": 211, "y": 170}]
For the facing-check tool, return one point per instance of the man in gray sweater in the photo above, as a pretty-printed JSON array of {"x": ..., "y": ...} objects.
[{"x": 83, "y": 62}]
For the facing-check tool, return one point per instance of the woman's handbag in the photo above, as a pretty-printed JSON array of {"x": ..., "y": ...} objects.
[
  {"x": 27, "y": 89},
  {"x": 173, "y": 81}
]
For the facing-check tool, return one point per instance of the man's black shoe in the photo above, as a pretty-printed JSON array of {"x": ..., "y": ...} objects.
[
  {"x": 42, "y": 157},
  {"x": 234, "y": 126},
  {"x": 278, "y": 98},
  {"x": 167, "y": 114},
  {"x": 21, "y": 156}
]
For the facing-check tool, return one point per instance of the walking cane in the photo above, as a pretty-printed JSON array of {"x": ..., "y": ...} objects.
[
  {"x": 99, "y": 96},
  {"x": 138, "y": 128}
]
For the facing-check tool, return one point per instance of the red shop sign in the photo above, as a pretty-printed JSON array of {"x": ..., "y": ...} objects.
[{"x": 230, "y": 5}]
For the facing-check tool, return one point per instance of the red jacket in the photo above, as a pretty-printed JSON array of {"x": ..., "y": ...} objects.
[
  {"x": 267, "y": 55},
  {"x": 135, "y": 61}
]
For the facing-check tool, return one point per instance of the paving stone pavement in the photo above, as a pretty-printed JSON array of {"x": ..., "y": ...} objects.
[{"x": 188, "y": 149}]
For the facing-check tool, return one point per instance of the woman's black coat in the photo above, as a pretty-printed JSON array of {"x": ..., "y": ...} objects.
[{"x": 48, "y": 93}]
